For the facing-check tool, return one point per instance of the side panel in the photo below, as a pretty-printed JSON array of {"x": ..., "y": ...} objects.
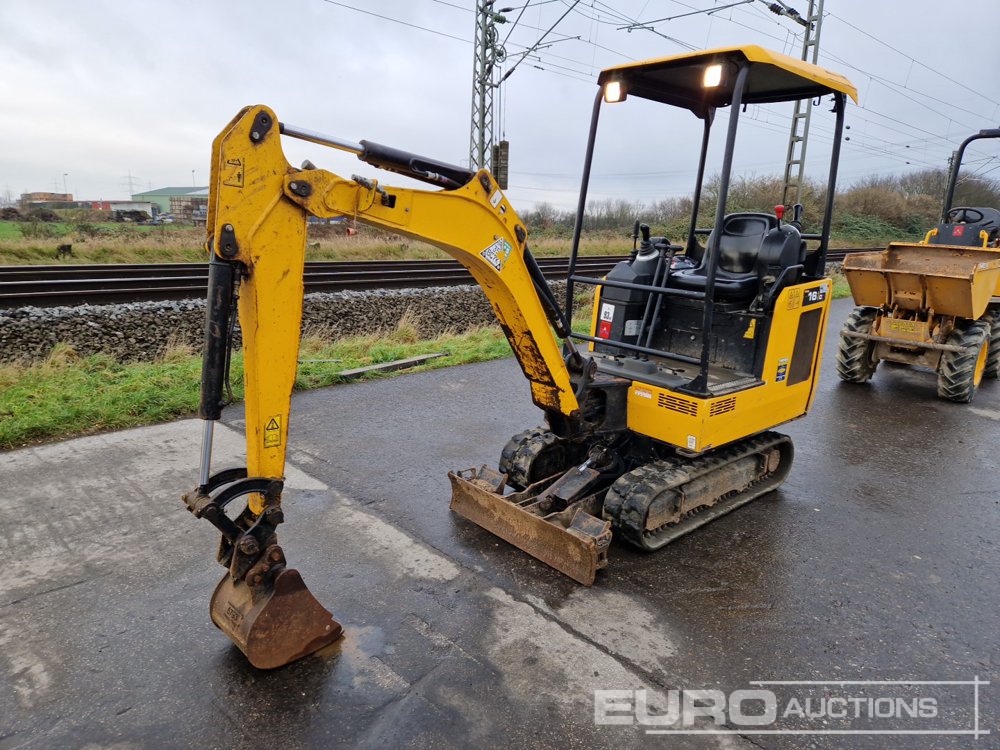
[{"x": 794, "y": 349}]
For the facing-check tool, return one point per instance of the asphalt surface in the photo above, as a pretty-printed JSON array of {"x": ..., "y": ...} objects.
[{"x": 876, "y": 561}]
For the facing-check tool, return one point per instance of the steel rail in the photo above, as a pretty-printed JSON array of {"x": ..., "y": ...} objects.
[
  {"x": 54, "y": 285},
  {"x": 48, "y": 286}
]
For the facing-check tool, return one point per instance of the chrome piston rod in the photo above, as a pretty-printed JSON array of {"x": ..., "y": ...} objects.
[
  {"x": 324, "y": 140},
  {"x": 205, "y": 469}
]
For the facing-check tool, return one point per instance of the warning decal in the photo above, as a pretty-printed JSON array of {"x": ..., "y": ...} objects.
[
  {"x": 272, "y": 432},
  {"x": 794, "y": 298},
  {"x": 497, "y": 254},
  {"x": 782, "y": 370},
  {"x": 233, "y": 173}
]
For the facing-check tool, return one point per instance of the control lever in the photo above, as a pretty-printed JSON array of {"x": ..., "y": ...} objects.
[
  {"x": 797, "y": 210},
  {"x": 779, "y": 211}
]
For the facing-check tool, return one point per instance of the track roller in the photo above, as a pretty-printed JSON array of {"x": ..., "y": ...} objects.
[{"x": 656, "y": 503}]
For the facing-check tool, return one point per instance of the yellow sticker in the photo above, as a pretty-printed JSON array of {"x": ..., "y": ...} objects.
[
  {"x": 751, "y": 329},
  {"x": 907, "y": 326},
  {"x": 272, "y": 432},
  {"x": 794, "y": 299}
]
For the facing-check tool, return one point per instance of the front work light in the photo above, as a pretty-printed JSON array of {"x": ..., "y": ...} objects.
[
  {"x": 713, "y": 76},
  {"x": 613, "y": 92}
]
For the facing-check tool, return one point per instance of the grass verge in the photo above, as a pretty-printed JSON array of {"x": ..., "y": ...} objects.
[{"x": 68, "y": 395}]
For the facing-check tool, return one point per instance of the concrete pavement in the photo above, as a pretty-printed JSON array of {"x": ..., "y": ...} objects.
[{"x": 877, "y": 560}]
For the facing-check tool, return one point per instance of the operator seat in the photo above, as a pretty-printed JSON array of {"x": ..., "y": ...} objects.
[
  {"x": 968, "y": 222},
  {"x": 736, "y": 279}
]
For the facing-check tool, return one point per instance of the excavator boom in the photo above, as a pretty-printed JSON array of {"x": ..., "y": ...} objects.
[{"x": 258, "y": 210}]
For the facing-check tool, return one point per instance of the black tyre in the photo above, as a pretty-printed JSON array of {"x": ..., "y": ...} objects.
[
  {"x": 992, "y": 370},
  {"x": 960, "y": 372},
  {"x": 535, "y": 454},
  {"x": 855, "y": 361}
]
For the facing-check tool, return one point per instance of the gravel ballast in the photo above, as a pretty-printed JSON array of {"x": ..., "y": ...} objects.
[{"x": 143, "y": 330}]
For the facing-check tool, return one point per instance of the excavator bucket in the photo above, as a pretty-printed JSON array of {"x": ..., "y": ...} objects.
[
  {"x": 273, "y": 625},
  {"x": 572, "y": 539}
]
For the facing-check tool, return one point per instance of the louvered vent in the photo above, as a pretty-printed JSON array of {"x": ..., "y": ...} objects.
[
  {"x": 723, "y": 406},
  {"x": 675, "y": 403}
]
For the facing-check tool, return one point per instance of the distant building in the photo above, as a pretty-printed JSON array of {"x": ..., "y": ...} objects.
[
  {"x": 191, "y": 207},
  {"x": 182, "y": 202},
  {"x": 40, "y": 200}
]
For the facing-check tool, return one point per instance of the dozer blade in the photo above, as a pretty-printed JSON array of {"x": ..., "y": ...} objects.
[
  {"x": 574, "y": 540},
  {"x": 273, "y": 625}
]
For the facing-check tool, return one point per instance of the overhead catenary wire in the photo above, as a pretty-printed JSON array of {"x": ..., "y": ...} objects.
[
  {"x": 706, "y": 11},
  {"x": 396, "y": 20},
  {"x": 540, "y": 40},
  {"x": 913, "y": 59},
  {"x": 599, "y": 12}
]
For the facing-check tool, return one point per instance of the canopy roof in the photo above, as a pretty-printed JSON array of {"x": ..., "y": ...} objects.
[{"x": 773, "y": 77}]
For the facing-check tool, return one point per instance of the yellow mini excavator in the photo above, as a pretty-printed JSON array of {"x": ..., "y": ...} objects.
[{"x": 657, "y": 421}]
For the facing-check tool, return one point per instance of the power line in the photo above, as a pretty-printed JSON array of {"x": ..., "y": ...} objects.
[
  {"x": 871, "y": 76},
  {"x": 396, "y": 20},
  {"x": 622, "y": 18},
  {"x": 452, "y": 5},
  {"x": 908, "y": 57},
  {"x": 884, "y": 82},
  {"x": 578, "y": 75},
  {"x": 708, "y": 11},
  {"x": 542, "y": 37}
]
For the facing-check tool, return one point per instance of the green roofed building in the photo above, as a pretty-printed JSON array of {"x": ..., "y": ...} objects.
[{"x": 175, "y": 200}]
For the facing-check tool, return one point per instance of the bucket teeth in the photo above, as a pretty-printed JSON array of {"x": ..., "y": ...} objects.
[{"x": 274, "y": 624}]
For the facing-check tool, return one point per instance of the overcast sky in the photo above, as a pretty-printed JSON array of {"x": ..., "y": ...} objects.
[{"x": 99, "y": 90}]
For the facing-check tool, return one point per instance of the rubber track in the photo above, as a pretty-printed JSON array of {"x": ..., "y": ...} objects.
[
  {"x": 628, "y": 500},
  {"x": 517, "y": 456}
]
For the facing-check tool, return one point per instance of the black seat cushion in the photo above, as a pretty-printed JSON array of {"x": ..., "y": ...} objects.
[
  {"x": 740, "y": 240},
  {"x": 731, "y": 287}
]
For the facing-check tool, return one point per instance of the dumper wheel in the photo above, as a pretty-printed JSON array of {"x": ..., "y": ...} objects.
[
  {"x": 535, "y": 454},
  {"x": 960, "y": 372},
  {"x": 855, "y": 363},
  {"x": 992, "y": 371}
]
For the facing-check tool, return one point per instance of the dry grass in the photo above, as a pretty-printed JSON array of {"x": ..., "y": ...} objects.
[
  {"x": 184, "y": 244},
  {"x": 175, "y": 350}
]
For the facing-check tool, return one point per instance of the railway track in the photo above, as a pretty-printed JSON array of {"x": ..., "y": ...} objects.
[{"x": 50, "y": 286}]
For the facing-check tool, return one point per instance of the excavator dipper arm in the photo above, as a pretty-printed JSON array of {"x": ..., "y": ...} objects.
[{"x": 258, "y": 210}]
